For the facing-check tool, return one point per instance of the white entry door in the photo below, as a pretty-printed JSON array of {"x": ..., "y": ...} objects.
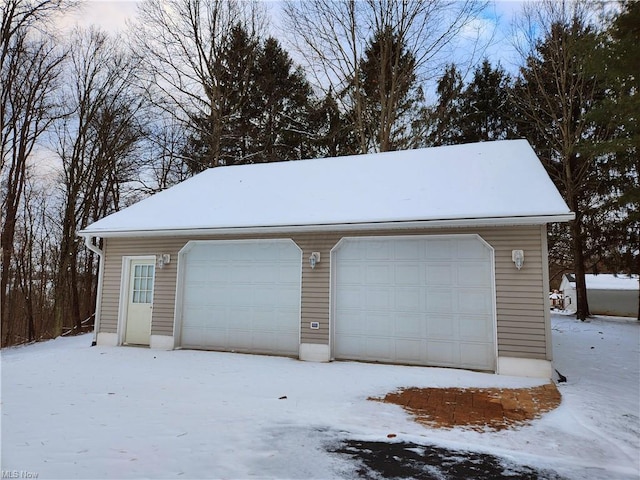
[
  {"x": 242, "y": 296},
  {"x": 415, "y": 300},
  {"x": 139, "y": 302}
]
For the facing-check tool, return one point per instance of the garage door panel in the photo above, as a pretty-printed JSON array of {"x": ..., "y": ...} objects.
[
  {"x": 289, "y": 274},
  {"x": 353, "y": 324},
  {"x": 191, "y": 336},
  {"x": 238, "y": 340},
  {"x": 378, "y": 298},
  {"x": 378, "y": 251},
  {"x": 473, "y": 274},
  {"x": 474, "y": 301},
  {"x": 215, "y": 274},
  {"x": 475, "y": 328},
  {"x": 242, "y": 296},
  {"x": 353, "y": 344},
  {"x": 414, "y": 300},
  {"x": 282, "y": 297},
  {"x": 379, "y": 324},
  {"x": 194, "y": 292},
  {"x": 282, "y": 319},
  {"x": 442, "y": 353},
  {"x": 412, "y": 250},
  {"x": 441, "y": 327},
  {"x": 471, "y": 249},
  {"x": 202, "y": 254},
  {"x": 234, "y": 295},
  {"x": 350, "y": 297},
  {"x": 410, "y": 325},
  {"x": 409, "y": 299},
  {"x": 408, "y": 274},
  {"x": 377, "y": 347},
  {"x": 378, "y": 274},
  {"x": 215, "y": 337},
  {"x": 474, "y": 355},
  {"x": 439, "y": 250},
  {"x": 351, "y": 274},
  {"x": 411, "y": 351},
  {"x": 439, "y": 274},
  {"x": 439, "y": 300},
  {"x": 251, "y": 274},
  {"x": 198, "y": 317}
]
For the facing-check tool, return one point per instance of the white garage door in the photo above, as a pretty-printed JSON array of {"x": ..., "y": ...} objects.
[
  {"x": 242, "y": 296},
  {"x": 415, "y": 300}
]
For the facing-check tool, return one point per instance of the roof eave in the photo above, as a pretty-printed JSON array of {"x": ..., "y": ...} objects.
[{"x": 401, "y": 225}]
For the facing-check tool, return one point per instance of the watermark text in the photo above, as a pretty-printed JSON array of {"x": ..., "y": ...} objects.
[{"x": 18, "y": 474}]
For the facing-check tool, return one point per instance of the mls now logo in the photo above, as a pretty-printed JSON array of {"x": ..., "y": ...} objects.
[{"x": 18, "y": 474}]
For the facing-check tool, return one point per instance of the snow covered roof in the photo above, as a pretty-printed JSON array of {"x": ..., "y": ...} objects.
[
  {"x": 607, "y": 281},
  {"x": 499, "y": 182}
]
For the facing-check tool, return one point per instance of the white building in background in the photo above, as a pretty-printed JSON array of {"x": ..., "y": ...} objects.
[{"x": 608, "y": 294}]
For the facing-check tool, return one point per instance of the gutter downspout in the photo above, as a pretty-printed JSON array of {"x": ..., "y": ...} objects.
[{"x": 100, "y": 253}]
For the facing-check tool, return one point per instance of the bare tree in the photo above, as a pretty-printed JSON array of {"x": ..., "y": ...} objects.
[
  {"x": 332, "y": 36},
  {"x": 34, "y": 260},
  {"x": 29, "y": 73},
  {"x": 180, "y": 43},
  {"x": 164, "y": 164},
  {"x": 96, "y": 142}
]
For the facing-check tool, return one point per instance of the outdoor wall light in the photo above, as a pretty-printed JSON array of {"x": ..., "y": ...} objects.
[
  {"x": 518, "y": 258},
  {"x": 313, "y": 259},
  {"x": 163, "y": 259}
]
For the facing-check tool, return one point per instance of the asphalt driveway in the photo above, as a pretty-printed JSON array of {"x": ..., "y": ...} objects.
[{"x": 429, "y": 462}]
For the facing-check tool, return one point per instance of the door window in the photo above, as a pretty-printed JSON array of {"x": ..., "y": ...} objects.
[{"x": 142, "y": 284}]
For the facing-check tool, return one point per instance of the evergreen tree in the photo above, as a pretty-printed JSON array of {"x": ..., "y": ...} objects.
[
  {"x": 263, "y": 107},
  {"x": 389, "y": 90},
  {"x": 444, "y": 119},
  {"x": 240, "y": 95},
  {"x": 558, "y": 88},
  {"x": 615, "y": 217},
  {"x": 222, "y": 135},
  {"x": 486, "y": 111},
  {"x": 332, "y": 135},
  {"x": 282, "y": 109}
]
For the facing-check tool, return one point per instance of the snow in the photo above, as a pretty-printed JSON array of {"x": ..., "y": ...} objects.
[
  {"x": 74, "y": 411},
  {"x": 609, "y": 281},
  {"x": 502, "y": 179}
]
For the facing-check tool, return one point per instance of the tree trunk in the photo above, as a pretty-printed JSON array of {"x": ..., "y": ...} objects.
[{"x": 582, "y": 307}]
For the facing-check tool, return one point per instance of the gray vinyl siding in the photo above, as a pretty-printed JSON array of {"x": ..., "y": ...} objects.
[{"x": 520, "y": 295}]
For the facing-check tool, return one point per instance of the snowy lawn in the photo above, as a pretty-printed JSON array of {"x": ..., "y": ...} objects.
[{"x": 74, "y": 411}]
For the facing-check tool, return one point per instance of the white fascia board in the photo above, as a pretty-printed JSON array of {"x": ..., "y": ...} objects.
[{"x": 455, "y": 223}]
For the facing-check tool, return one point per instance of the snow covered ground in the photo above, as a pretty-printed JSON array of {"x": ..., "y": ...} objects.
[{"x": 74, "y": 411}]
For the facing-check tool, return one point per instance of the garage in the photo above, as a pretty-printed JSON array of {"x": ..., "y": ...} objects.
[
  {"x": 241, "y": 295},
  {"x": 420, "y": 300}
]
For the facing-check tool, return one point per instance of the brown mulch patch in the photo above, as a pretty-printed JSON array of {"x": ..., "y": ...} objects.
[{"x": 479, "y": 409}]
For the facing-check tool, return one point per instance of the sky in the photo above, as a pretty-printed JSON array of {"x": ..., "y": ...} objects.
[{"x": 112, "y": 15}]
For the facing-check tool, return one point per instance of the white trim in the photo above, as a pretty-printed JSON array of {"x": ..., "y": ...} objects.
[
  {"x": 315, "y": 352},
  {"x": 124, "y": 293},
  {"x": 107, "y": 339},
  {"x": 332, "y": 280},
  {"x": 546, "y": 289},
  {"x": 338, "y": 227},
  {"x": 524, "y": 367},
  {"x": 98, "y": 311},
  {"x": 161, "y": 342},
  {"x": 179, "y": 304}
]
